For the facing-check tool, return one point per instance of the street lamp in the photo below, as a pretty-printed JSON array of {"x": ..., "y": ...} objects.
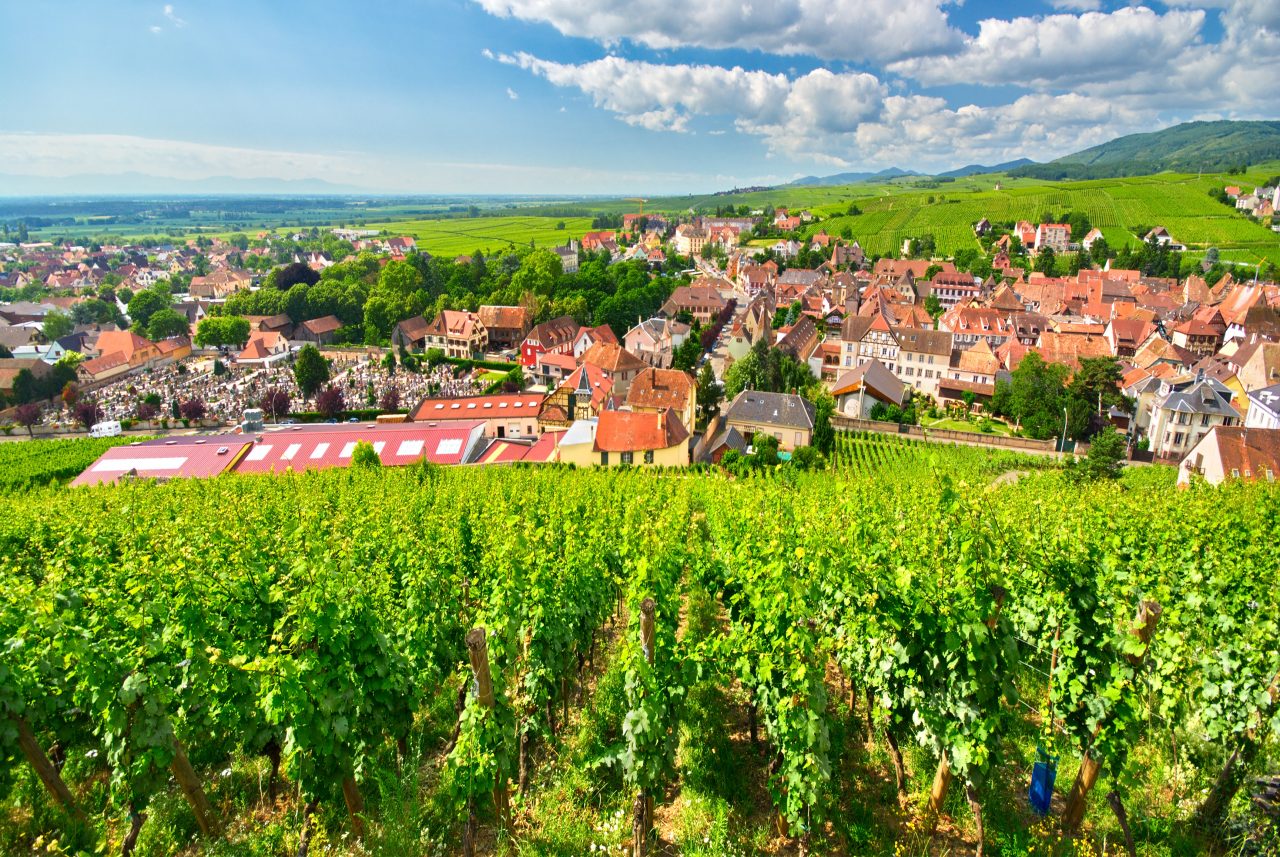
[{"x": 1062, "y": 447}]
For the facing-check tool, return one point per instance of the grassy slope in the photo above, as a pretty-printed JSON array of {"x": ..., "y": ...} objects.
[{"x": 1185, "y": 146}]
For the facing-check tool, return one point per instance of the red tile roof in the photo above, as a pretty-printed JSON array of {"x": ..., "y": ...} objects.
[
  {"x": 628, "y": 431},
  {"x": 327, "y": 324},
  {"x": 661, "y": 388},
  {"x": 478, "y": 407}
]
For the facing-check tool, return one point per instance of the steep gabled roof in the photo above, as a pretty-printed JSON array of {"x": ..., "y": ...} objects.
[
  {"x": 661, "y": 388},
  {"x": 785, "y": 409},
  {"x": 631, "y": 431}
]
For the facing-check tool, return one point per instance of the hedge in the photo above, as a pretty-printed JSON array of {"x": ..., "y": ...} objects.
[{"x": 362, "y": 415}]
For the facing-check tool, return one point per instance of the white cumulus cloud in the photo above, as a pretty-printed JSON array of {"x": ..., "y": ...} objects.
[
  {"x": 837, "y": 118},
  {"x": 1061, "y": 51},
  {"x": 854, "y": 30}
]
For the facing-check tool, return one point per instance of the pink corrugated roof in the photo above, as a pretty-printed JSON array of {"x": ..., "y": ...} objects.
[
  {"x": 320, "y": 447},
  {"x": 187, "y": 457}
]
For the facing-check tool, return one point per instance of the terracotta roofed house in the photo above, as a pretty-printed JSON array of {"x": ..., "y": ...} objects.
[
  {"x": 642, "y": 438},
  {"x": 556, "y": 335},
  {"x": 619, "y": 365},
  {"x": 319, "y": 330},
  {"x": 665, "y": 389},
  {"x": 702, "y": 302},
  {"x": 410, "y": 334},
  {"x": 1250, "y": 454},
  {"x": 507, "y": 325},
  {"x": 263, "y": 348},
  {"x": 457, "y": 334}
]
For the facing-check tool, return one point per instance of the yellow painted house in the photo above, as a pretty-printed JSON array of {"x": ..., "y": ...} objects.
[{"x": 627, "y": 437}]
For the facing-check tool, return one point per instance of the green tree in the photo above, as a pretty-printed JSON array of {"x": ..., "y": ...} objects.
[
  {"x": 806, "y": 458},
  {"x": 709, "y": 392},
  {"x": 95, "y": 311},
  {"x": 1045, "y": 260},
  {"x": 538, "y": 273},
  {"x": 1104, "y": 459},
  {"x": 824, "y": 436},
  {"x": 1034, "y": 397},
  {"x": 744, "y": 374},
  {"x": 764, "y": 450},
  {"x": 687, "y": 354},
  {"x": 364, "y": 455},
  {"x": 310, "y": 370},
  {"x": 933, "y": 306},
  {"x": 145, "y": 304},
  {"x": 57, "y": 324},
  {"x": 167, "y": 323},
  {"x": 229, "y": 330},
  {"x": 1094, "y": 388}
]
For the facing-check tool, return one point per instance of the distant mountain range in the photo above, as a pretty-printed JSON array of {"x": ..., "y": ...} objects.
[
  {"x": 850, "y": 178},
  {"x": 978, "y": 169},
  {"x": 1187, "y": 148},
  {"x": 137, "y": 184},
  {"x": 897, "y": 172}
]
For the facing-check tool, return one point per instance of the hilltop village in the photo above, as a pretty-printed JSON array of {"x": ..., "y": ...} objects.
[{"x": 662, "y": 340}]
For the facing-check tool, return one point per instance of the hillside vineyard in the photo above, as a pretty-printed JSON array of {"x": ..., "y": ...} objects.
[{"x": 163, "y": 630}]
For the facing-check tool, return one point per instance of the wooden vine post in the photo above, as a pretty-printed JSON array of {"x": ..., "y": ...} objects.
[
  {"x": 478, "y": 653},
  {"x": 942, "y": 777},
  {"x": 45, "y": 769},
  {"x": 355, "y": 805},
  {"x": 1144, "y": 627},
  {"x": 642, "y": 810},
  {"x": 190, "y": 785}
]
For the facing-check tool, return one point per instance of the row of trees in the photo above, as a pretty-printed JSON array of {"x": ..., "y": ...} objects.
[
  {"x": 1040, "y": 399},
  {"x": 369, "y": 298}
]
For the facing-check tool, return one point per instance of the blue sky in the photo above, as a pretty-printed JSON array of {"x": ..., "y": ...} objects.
[{"x": 607, "y": 96}]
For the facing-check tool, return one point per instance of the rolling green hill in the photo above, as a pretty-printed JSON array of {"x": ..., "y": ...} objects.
[
  {"x": 909, "y": 207},
  {"x": 1189, "y": 147},
  {"x": 1123, "y": 208}
]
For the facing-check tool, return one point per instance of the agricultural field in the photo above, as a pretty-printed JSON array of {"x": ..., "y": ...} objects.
[
  {"x": 877, "y": 659},
  {"x": 33, "y": 463},
  {"x": 490, "y": 235}
]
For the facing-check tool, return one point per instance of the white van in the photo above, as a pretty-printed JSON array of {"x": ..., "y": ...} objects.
[{"x": 110, "y": 428}]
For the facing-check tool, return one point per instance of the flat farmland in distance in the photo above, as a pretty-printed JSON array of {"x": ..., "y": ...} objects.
[{"x": 488, "y": 234}]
